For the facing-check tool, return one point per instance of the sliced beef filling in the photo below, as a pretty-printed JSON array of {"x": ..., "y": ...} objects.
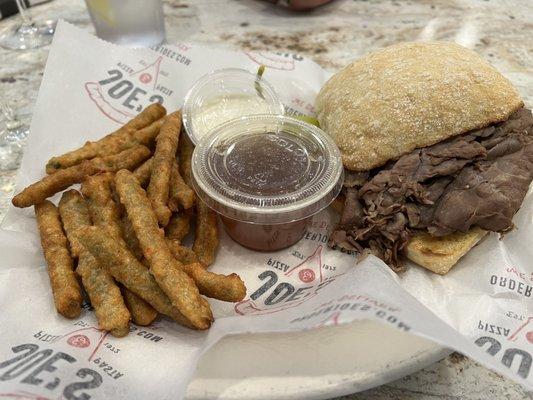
[{"x": 476, "y": 179}]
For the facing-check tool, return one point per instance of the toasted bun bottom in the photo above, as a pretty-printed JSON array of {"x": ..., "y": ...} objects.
[{"x": 440, "y": 254}]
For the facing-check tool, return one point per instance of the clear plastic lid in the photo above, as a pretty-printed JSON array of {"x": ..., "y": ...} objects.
[
  {"x": 223, "y": 95},
  {"x": 267, "y": 169}
]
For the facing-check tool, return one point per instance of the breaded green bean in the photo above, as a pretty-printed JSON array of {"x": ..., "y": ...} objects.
[
  {"x": 179, "y": 225},
  {"x": 206, "y": 234},
  {"x": 144, "y": 172},
  {"x": 142, "y": 313},
  {"x": 177, "y": 285},
  {"x": 149, "y": 121},
  {"x": 145, "y": 136},
  {"x": 105, "y": 296},
  {"x": 180, "y": 193},
  {"x": 98, "y": 190},
  {"x": 65, "y": 287},
  {"x": 181, "y": 253},
  {"x": 105, "y": 213},
  {"x": 185, "y": 158},
  {"x": 221, "y": 287},
  {"x": 129, "y": 237},
  {"x": 126, "y": 269},
  {"x": 74, "y": 214},
  {"x": 164, "y": 155},
  {"x": 51, "y": 184}
]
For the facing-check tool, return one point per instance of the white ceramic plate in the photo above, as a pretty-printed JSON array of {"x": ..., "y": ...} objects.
[{"x": 318, "y": 364}]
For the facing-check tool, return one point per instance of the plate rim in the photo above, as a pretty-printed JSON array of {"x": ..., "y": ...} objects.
[{"x": 336, "y": 387}]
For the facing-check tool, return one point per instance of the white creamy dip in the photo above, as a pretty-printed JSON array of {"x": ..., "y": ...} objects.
[{"x": 216, "y": 111}]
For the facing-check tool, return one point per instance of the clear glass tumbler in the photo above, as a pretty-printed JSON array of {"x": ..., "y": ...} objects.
[{"x": 136, "y": 23}]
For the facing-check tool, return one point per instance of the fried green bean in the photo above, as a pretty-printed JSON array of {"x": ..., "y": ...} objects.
[
  {"x": 164, "y": 155},
  {"x": 98, "y": 190},
  {"x": 180, "y": 193},
  {"x": 181, "y": 253},
  {"x": 145, "y": 136},
  {"x": 140, "y": 130},
  {"x": 105, "y": 213},
  {"x": 129, "y": 237},
  {"x": 65, "y": 287},
  {"x": 177, "y": 285},
  {"x": 105, "y": 296},
  {"x": 142, "y": 313},
  {"x": 51, "y": 184},
  {"x": 144, "y": 172},
  {"x": 206, "y": 234},
  {"x": 185, "y": 158},
  {"x": 126, "y": 269},
  {"x": 74, "y": 214},
  {"x": 178, "y": 226},
  {"x": 221, "y": 287}
]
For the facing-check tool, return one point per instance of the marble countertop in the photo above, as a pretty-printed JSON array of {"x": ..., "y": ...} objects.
[{"x": 502, "y": 31}]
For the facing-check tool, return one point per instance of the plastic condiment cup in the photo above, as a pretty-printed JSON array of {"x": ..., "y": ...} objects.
[
  {"x": 223, "y": 95},
  {"x": 266, "y": 176}
]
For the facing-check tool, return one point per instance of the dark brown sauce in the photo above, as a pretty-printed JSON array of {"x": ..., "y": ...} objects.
[
  {"x": 266, "y": 237},
  {"x": 265, "y": 164}
]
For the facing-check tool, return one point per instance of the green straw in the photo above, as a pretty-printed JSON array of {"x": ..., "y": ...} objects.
[{"x": 258, "y": 88}]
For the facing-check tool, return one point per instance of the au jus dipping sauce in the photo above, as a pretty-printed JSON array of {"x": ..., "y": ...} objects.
[{"x": 266, "y": 175}]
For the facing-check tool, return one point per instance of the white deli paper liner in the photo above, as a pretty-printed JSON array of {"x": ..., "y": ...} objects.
[{"x": 482, "y": 308}]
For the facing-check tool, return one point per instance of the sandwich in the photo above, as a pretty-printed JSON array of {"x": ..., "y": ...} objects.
[{"x": 438, "y": 150}]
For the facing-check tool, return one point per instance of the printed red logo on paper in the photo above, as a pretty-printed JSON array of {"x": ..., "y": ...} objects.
[
  {"x": 306, "y": 275},
  {"x": 80, "y": 341},
  {"x": 293, "y": 287},
  {"x": 145, "y": 78}
]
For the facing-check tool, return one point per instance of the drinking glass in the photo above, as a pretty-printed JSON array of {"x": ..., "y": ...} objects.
[
  {"x": 28, "y": 34},
  {"x": 12, "y": 139},
  {"x": 136, "y": 23}
]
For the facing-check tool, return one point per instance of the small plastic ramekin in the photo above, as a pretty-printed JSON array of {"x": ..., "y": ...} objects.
[
  {"x": 266, "y": 176},
  {"x": 220, "y": 86}
]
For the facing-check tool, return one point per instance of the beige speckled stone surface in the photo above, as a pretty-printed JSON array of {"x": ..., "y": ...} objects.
[{"x": 502, "y": 31}]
